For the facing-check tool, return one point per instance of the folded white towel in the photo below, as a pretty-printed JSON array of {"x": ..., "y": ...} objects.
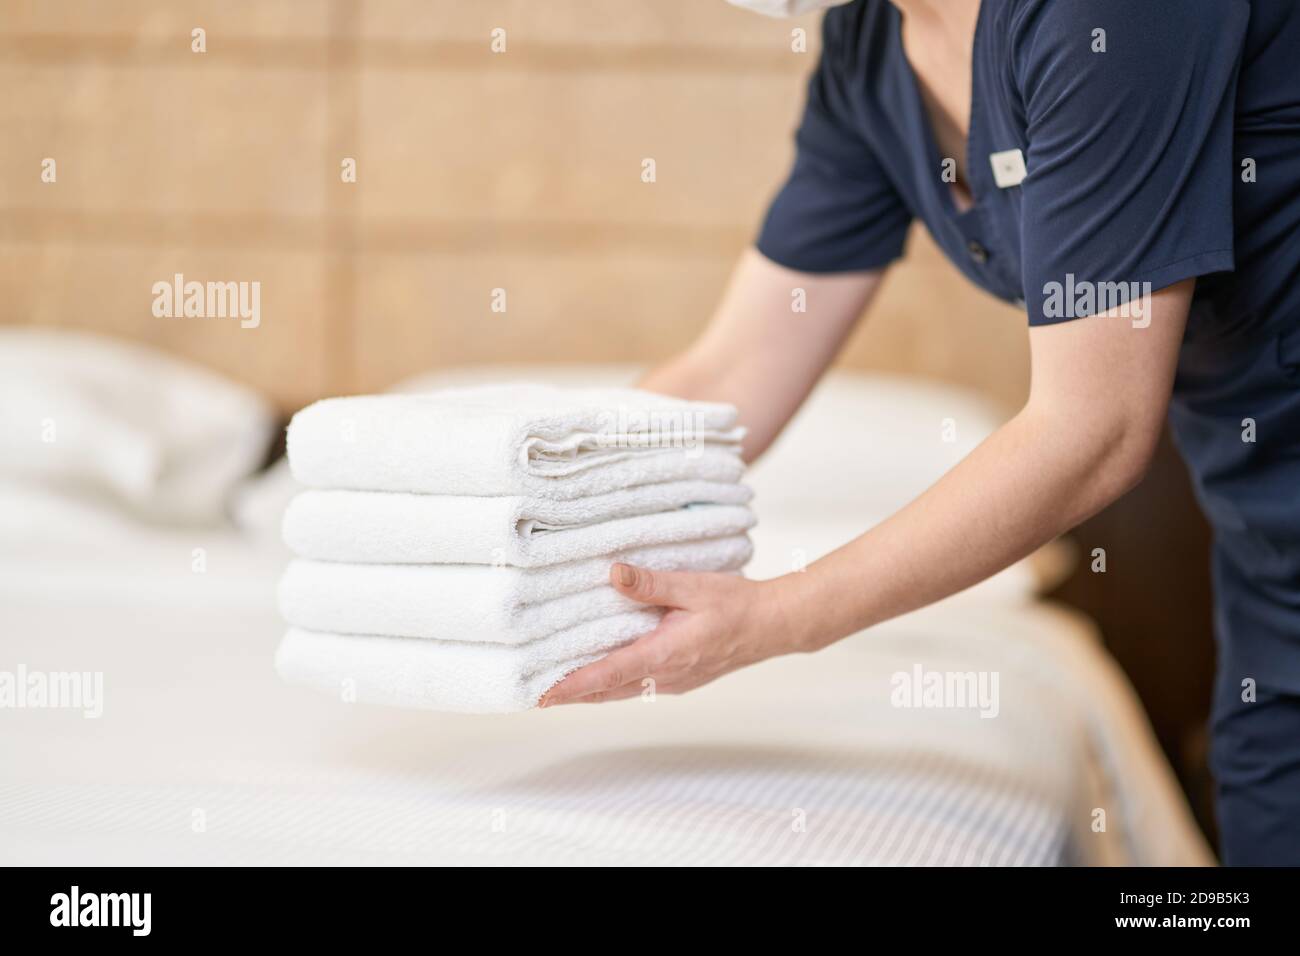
[
  {"x": 512, "y": 439},
  {"x": 450, "y": 675},
  {"x": 368, "y": 527},
  {"x": 476, "y": 602}
]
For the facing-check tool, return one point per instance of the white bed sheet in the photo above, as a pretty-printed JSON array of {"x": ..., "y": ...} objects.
[{"x": 202, "y": 756}]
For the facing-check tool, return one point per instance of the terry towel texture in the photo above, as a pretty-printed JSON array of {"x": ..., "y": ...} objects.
[
  {"x": 454, "y": 548},
  {"x": 390, "y": 528},
  {"x": 464, "y": 677},
  {"x": 512, "y": 440},
  {"x": 465, "y": 602}
]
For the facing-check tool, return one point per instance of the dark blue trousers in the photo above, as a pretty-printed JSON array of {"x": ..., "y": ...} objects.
[{"x": 1236, "y": 419}]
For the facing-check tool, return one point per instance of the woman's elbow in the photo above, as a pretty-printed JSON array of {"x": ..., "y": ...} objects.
[{"x": 1127, "y": 457}]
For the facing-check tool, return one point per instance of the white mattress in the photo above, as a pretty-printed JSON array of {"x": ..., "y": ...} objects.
[{"x": 201, "y": 756}]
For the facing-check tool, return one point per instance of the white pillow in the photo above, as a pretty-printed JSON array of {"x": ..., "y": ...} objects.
[
  {"x": 861, "y": 448},
  {"x": 864, "y": 445},
  {"x": 86, "y": 413},
  {"x": 576, "y": 375},
  {"x": 258, "y": 505}
]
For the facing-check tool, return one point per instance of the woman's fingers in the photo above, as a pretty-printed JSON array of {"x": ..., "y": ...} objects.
[
  {"x": 627, "y": 691},
  {"x": 623, "y": 666},
  {"x": 675, "y": 646},
  {"x": 660, "y": 588},
  {"x": 714, "y": 624}
]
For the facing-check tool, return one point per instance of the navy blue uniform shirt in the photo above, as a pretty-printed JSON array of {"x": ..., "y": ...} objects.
[
  {"x": 1173, "y": 154},
  {"x": 1164, "y": 147}
]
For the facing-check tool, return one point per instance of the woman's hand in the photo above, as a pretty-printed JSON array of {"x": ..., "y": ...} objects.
[{"x": 715, "y": 624}]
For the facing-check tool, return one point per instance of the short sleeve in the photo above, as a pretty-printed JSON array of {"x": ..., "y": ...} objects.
[
  {"x": 1129, "y": 113},
  {"x": 837, "y": 211}
]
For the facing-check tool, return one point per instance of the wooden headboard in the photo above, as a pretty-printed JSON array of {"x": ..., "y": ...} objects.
[{"x": 476, "y": 170}]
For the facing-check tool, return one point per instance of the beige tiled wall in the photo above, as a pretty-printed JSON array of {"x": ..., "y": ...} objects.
[{"x": 477, "y": 171}]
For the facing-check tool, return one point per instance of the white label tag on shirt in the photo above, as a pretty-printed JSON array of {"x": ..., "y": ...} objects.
[{"x": 1008, "y": 168}]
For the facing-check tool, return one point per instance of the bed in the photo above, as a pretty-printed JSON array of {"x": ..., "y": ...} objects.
[{"x": 201, "y": 756}]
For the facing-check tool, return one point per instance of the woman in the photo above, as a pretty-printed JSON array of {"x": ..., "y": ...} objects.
[{"x": 1129, "y": 174}]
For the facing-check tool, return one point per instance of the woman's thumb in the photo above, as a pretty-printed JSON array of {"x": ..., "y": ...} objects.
[{"x": 660, "y": 588}]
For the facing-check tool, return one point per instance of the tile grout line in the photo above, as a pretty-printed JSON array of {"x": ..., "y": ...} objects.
[
  {"x": 342, "y": 114},
  {"x": 377, "y": 236},
  {"x": 395, "y": 55}
]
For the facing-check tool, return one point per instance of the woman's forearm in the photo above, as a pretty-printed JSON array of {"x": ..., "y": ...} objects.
[
  {"x": 772, "y": 337},
  {"x": 1100, "y": 389},
  {"x": 763, "y": 411},
  {"x": 1030, "y": 481}
]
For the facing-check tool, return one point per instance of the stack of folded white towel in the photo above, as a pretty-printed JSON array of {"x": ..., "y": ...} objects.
[{"x": 454, "y": 548}]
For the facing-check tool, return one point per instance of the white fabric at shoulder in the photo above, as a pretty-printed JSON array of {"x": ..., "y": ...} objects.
[{"x": 785, "y": 8}]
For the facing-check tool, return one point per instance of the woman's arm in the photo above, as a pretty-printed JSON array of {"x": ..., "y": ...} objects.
[
  {"x": 1098, "y": 399},
  {"x": 759, "y": 352}
]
